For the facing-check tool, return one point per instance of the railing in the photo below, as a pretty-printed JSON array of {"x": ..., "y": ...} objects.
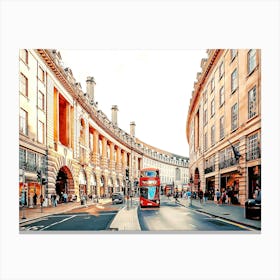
[
  {"x": 227, "y": 163},
  {"x": 209, "y": 169}
]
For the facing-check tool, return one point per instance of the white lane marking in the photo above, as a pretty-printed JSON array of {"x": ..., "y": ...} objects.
[{"x": 56, "y": 223}]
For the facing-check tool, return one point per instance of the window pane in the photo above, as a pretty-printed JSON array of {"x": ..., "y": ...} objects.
[
  {"x": 251, "y": 60},
  {"x": 40, "y": 132},
  {"x": 234, "y": 80},
  {"x": 234, "y": 117},
  {"x": 222, "y": 96},
  {"x": 23, "y": 121},
  {"x": 23, "y": 87},
  {"x": 233, "y": 53},
  {"x": 253, "y": 150},
  {"x": 252, "y": 103},
  {"x": 24, "y": 55},
  {"x": 222, "y": 129},
  {"x": 41, "y": 74},
  {"x": 41, "y": 99}
]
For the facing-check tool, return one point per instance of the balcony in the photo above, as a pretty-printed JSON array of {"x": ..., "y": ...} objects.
[
  {"x": 227, "y": 163},
  {"x": 209, "y": 169}
]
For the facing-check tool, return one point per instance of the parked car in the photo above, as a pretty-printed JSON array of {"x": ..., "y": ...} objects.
[{"x": 117, "y": 198}]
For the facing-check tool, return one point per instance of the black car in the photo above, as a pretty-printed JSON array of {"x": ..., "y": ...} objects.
[{"x": 117, "y": 198}]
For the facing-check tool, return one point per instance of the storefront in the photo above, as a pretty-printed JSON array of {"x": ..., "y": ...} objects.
[
  {"x": 230, "y": 181},
  {"x": 254, "y": 179},
  {"x": 27, "y": 193},
  {"x": 210, "y": 187}
]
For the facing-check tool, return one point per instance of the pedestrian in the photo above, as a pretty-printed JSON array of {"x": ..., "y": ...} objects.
[
  {"x": 224, "y": 197},
  {"x": 258, "y": 194},
  {"x": 41, "y": 200},
  {"x": 189, "y": 194},
  {"x": 218, "y": 196},
  {"x": 35, "y": 199},
  {"x": 206, "y": 195},
  {"x": 54, "y": 200},
  {"x": 176, "y": 197},
  {"x": 200, "y": 195},
  {"x": 229, "y": 195},
  {"x": 65, "y": 196}
]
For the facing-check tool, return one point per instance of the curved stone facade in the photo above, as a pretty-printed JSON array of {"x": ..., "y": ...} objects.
[
  {"x": 84, "y": 153},
  {"x": 225, "y": 113}
]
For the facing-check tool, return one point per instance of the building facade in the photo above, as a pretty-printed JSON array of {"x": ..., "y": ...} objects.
[
  {"x": 69, "y": 146},
  {"x": 224, "y": 123}
]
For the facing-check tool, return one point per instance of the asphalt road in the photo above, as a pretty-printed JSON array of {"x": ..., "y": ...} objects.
[
  {"x": 90, "y": 219},
  {"x": 173, "y": 217}
]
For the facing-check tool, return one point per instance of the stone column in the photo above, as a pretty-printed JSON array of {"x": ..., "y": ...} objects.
[{"x": 96, "y": 147}]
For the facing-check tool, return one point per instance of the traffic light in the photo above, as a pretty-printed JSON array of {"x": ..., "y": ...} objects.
[
  {"x": 39, "y": 175},
  {"x": 127, "y": 174}
]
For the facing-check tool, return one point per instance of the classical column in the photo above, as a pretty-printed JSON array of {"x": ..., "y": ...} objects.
[
  {"x": 96, "y": 147},
  {"x": 112, "y": 160},
  {"x": 104, "y": 152},
  {"x": 68, "y": 123},
  {"x": 124, "y": 160},
  {"x": 56, "y": 116},
  {"x": 119, "y": 162}
]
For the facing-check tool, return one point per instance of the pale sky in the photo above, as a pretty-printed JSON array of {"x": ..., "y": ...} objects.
[{"x": 150, "y": 87}]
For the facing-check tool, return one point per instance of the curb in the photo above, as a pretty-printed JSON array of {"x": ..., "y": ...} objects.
[
  {"x": 57, "y": 212},
  {"x": 224, "y": 218}
]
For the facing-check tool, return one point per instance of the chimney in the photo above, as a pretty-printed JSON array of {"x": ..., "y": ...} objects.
[
  {"x": 132, "y": 129},
  {"x": 90, "y": 88},
  {"x": 115, "y": 115}
]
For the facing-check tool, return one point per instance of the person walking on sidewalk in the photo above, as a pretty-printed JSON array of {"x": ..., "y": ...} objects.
[
  {"x": 35, "y": 199},
  {"x": 229, "y": 194},
  {"x": 54, "y": 201},
  {"x": 218, "y": 196},
  {"x": 41, "y": 200},
  {"x": 206, "y": 195},
  {"x": 176, "y": 197},
  {"x": 200, "y": 195},
  {"x": 224, "y": 197}
]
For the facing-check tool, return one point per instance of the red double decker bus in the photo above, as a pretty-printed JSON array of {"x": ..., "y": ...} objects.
[{"x": 149, "y": 187}]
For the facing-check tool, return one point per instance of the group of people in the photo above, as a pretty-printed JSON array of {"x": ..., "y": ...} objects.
[
  {"x": 35, "y": 197},
  {"x": 226, "y": 196},
  {"x": 55, "y": 198}
]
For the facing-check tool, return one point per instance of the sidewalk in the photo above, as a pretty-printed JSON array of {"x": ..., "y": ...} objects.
[
  {"x": 126, "y": 219},
  {"x": 234, "y": 213},
  {"x": 35, "y": 213}
]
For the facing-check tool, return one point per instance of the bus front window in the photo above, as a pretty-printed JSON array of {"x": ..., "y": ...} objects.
[{"x": 144, "y": 192}]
